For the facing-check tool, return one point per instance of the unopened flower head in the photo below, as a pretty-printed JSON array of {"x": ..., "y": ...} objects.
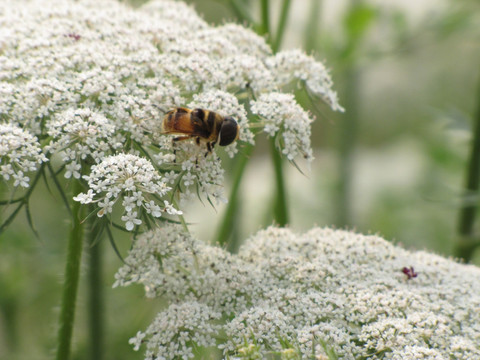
[
  {"x": 20, "y": 153},
  {"x": 309, "y": 296},
  {"x": 132, "y": 179}
]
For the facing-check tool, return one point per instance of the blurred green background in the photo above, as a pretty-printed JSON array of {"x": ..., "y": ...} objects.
[{"x": 393, "y": 164}]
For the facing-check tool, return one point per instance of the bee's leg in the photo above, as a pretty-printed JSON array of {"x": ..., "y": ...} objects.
[
  {"x": 210, "y": 146},
  {"x": 174, "y": 148},
  {"x": 209, "y": 149},
  {"x": 197, "y": 141},
  {"x": 181, "y": 138}
]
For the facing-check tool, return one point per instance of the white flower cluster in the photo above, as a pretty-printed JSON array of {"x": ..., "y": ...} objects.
[
  {"x": 20, "y": 152},
  {"x": 282, "y": 115},
  {"x": 324, "y": 294},
  {"x": 182, "y": 325},
  {"x": 94, "y": 76},
  {"x": 132, "y": 178},
  {"x": 78, "y": 134},
  {"x": 295, "y": 65}
]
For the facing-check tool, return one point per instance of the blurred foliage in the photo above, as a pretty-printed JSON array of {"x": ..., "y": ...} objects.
[{"x": 411, "y": 71}]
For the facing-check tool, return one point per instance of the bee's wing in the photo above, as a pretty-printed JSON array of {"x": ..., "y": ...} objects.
[
  {"x": 199, "y": 127},
  {"x": 181, "y": 127},
  {"x": 188, "y": 124}
]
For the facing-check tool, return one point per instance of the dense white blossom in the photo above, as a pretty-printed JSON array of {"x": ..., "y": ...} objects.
[
  {"x": 295, "y": 65},
  {"x": 131, "y": 178},
  {"x": 185, "y": 327},
  {"x": 308, "y": 296},
  {"x": 80, "y": 134},
  {"x": 98, "y": 77},
  {"x": 282, "y": 115},
  {"x": 20, "y": 153}
]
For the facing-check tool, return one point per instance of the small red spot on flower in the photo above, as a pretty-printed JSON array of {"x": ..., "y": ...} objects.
[
  {"x": 74, "y": 36},
  {"x": 410, "y": 272}
]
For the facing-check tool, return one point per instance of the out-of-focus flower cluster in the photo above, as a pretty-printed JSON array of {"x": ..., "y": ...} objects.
[
  {"x": 96, "y": 78},
  {"x": 321, "y": 294}
]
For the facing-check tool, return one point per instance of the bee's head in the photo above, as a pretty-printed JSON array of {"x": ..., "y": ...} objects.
[{"x": 229, "y": 131}]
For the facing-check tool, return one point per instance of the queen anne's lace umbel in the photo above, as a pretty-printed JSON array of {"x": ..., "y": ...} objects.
[
  {"x": 96, "y": 78},
  {"x": 305, "y": 296},
  {"x": 131, "y": 178}
]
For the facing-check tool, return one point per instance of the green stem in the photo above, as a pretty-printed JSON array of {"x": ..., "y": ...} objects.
[
  {"x": 10, "y": 311},
  {"x": 72, "y": 275},
  {"x": 265, "y": 14},
  {"x": 347, "y": 139},
  {"x": 226, "y": 225},
  {"x": 281, "y": 26},
  {"x": 96, "y": 298},
  {"x": 313, "y": 29},
  {"x": 280, "y": 210},
  {"x": 467, "y": 242}
]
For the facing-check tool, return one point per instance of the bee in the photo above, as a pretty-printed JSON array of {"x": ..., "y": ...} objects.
[{"x": 202, "y": 125}]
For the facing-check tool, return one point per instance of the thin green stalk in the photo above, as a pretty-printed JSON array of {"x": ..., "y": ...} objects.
[
  {"x": 313, "y": 28},
  {"x": 265, "y": 15},
  {"x": 227, "y": 222},
  {"x": 72, "y": 275},
  {"x": 96, "y": 321},
  {"x": 347, "y": 139},
  {"x": 281, "y": 26},
  {"x": 280, "y": 209},
  {"x": 467, "y": 241},
  {"x": 10, "y": 311}
]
